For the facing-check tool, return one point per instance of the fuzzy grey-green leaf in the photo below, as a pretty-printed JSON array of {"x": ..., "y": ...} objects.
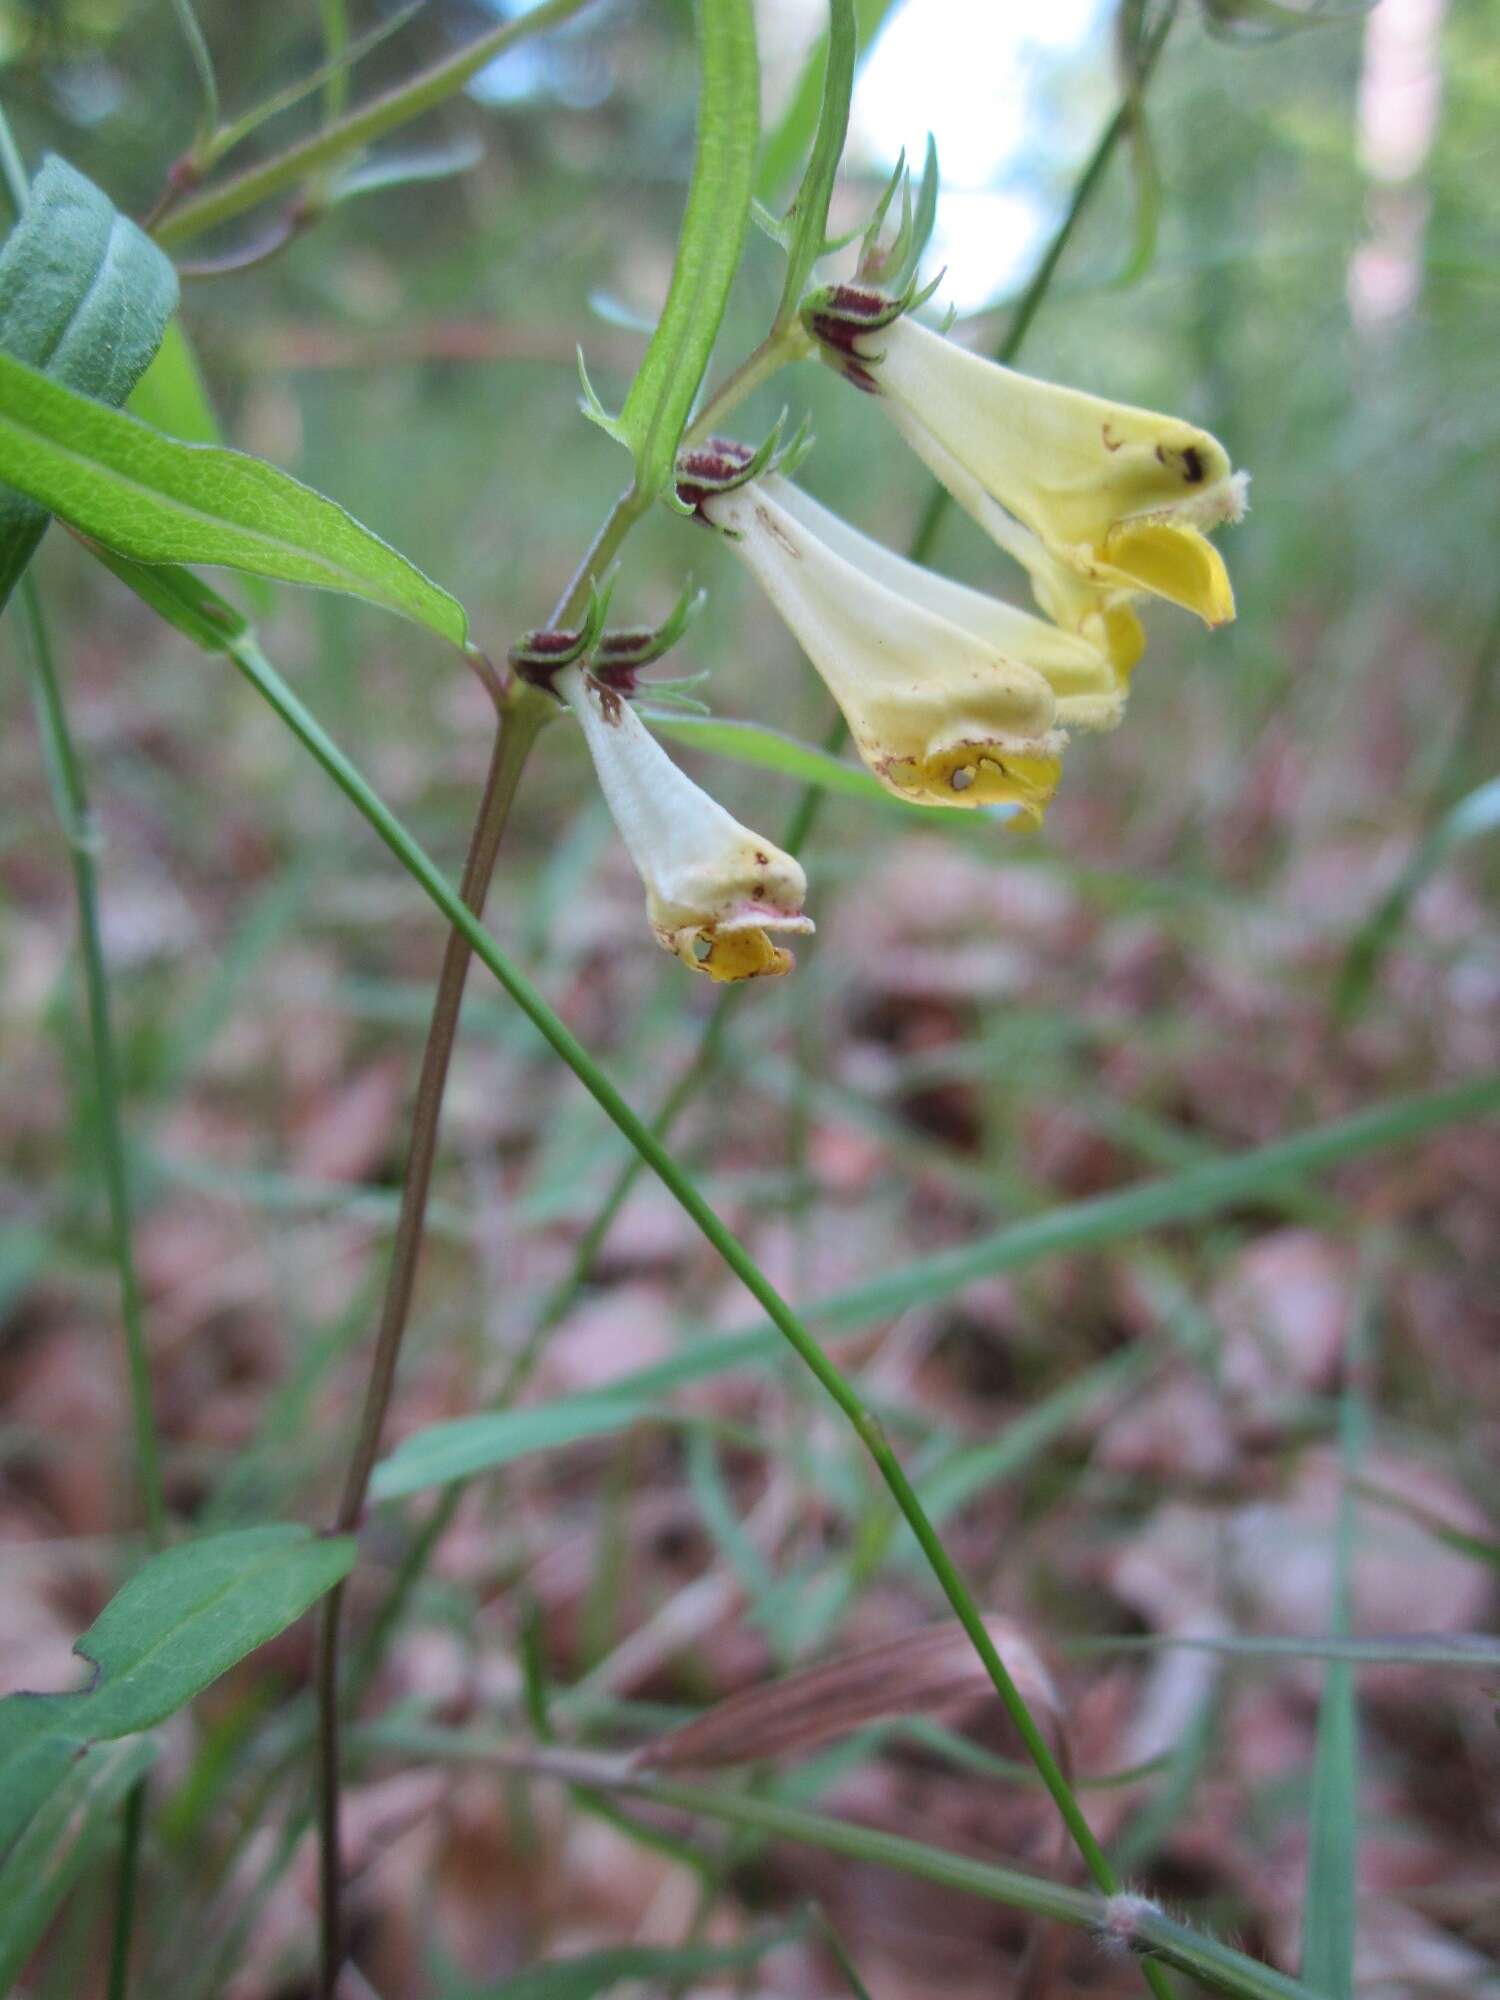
[{"x": 85, "y": 297}]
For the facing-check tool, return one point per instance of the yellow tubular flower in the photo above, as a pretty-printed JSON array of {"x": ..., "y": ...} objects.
[
  {"x": 714, "y": 889},
  {"x": 1118, "y": 495},
  {"x": 1080, "y": 673},
  {"x": 1100, "y": 613},
  {"x": 938, "y": 715}
]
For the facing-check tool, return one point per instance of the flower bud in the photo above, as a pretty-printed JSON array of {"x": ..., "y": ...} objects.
[{"x": 714, "y": 890}]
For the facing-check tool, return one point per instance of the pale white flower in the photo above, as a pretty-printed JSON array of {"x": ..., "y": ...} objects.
[
  {"x": 1119, "y": 496},
  {"x": 714, "y": 889},
  {"x": 940, "y": 715}
]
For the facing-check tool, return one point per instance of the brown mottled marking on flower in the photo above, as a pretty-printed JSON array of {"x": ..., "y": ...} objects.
[
  {"x": 1111, "y": 443},
  {"x": 763, "y": 859},
  {"x": 610, "y": 704},
  {"x": 1192, "y": 465},
  {"x": 777, "y": 532}
]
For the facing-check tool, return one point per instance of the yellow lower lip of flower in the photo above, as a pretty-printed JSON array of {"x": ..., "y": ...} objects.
[
  {"x": 1124, "y": 639},
  {"x": 1175, "y": 562},
  {"x": 726, "y": 956},
  {"x": 975, "y": 774}
]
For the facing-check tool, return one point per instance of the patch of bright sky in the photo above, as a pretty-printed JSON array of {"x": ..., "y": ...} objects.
[{"x": 965, "y": 70}]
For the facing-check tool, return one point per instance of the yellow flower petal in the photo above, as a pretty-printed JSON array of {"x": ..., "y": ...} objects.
[
  {"x": 1124, "y": 639},
  {"x": 1174, "y": 561},
  {"x": 980, "y": 774},
  {"x": 727, "y": 956}
]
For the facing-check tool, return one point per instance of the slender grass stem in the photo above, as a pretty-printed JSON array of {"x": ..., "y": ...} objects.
[
  {"x": 203, "y": 65},
  {"x": 336, "y": 141},
  {"x": 1132, "y": 1924},
  {"x": 71, "y": 797},
  {"x": 780, "y": 347},
  {"x": 132, "y": 1825},
  {"x": 682, "y": 1187}
]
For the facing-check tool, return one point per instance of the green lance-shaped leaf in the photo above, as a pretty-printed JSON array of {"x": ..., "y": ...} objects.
[
  {"x": 85, "y": 297},
  {"x": 178, "y": 1624},
  {"x": 807, "y": 220},
  {"x": 161, "y": 501},
  {"x": 708, "y": 251},
  {"x": 785, "y": 146}
]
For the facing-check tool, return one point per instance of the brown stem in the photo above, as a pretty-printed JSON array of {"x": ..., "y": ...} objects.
[{"x": 513, "y": 740}]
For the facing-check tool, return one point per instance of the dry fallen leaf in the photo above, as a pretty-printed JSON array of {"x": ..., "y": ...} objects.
[{"x": 922, "y": 1673}]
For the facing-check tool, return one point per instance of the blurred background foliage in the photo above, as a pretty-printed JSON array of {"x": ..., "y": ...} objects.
[{"x": 987, "y": 1023}]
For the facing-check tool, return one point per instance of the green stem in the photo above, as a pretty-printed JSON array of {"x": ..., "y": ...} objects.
[
  {"x": 680, "y": 1184},
  {"x": 71, "y": 796},
  {"x": 348, "y": 135},
  {"x": 203, "y": 65},
  {"x": 132, "y": 1824},
  {"x": 1131, "y": 1924},
  {"x": 335, "y": 15},
  {"x": 781, "y": 345}
]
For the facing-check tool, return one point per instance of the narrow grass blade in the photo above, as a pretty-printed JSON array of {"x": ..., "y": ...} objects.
[
  {"x": 1129, "y": 1921},
  {"x": 60, "y": 1842},
  {"x": 457, "y": 1450},
  {"x": 1475, "y": 815},
  {"x": 595, "y": 1972},
  {"x": 1328, "y": 1906},
  {"x": 1163, "y": 1203}
]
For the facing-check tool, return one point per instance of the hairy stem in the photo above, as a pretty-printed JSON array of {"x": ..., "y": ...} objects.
[{"x": 1129, "y": 1923}]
